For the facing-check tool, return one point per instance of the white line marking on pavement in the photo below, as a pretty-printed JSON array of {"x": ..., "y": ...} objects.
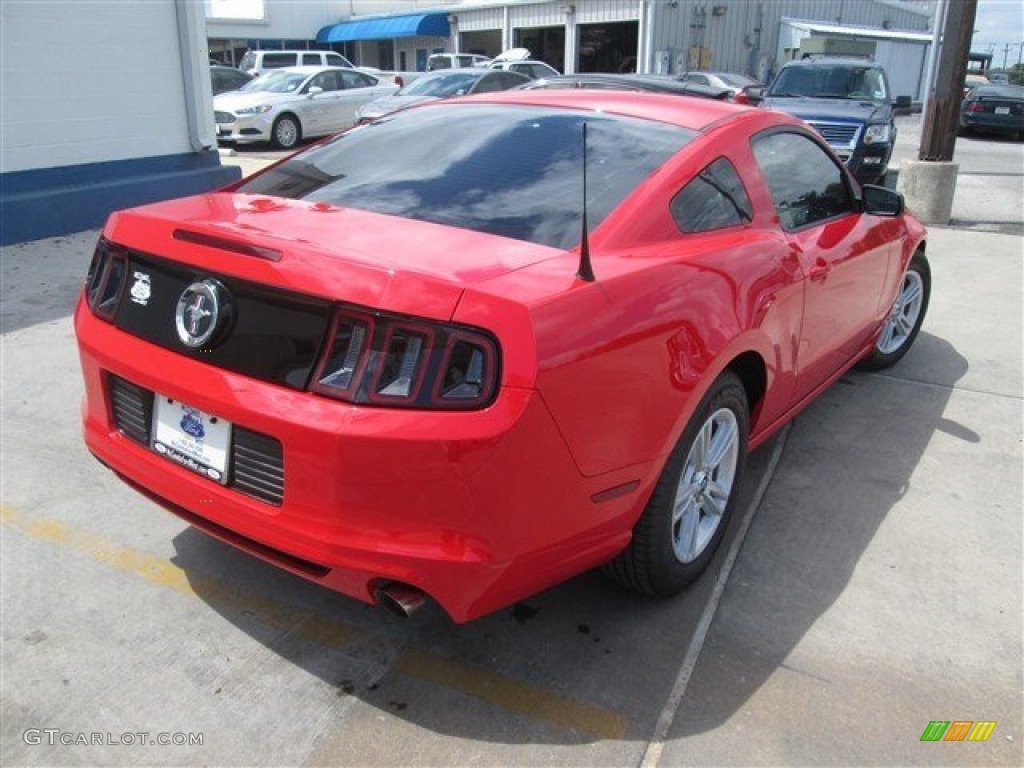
[{"x": 652, "y": 755}]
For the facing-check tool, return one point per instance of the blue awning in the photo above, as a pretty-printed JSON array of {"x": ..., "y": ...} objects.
[{"x": 386, "y": 28}]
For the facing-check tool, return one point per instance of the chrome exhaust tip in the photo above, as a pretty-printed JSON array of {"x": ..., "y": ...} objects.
[{"x": 400, "y": 599}]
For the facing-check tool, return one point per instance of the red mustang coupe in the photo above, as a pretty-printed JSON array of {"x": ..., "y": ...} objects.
[{"x": 474, "y": 348}]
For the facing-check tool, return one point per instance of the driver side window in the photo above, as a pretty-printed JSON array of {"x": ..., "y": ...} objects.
[{"x": 806, "y": 185}]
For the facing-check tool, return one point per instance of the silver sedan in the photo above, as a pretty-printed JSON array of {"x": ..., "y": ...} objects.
[{"x": 289, "y": 104}]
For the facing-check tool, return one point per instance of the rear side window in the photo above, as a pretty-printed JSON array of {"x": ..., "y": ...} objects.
[
  {"x": 517, "y": 171},
  {"x": 356, "y": 79},
  {"x": 499, "y": 81},
  {"x": 337, "y": 60},
  {"x": 714, "y": 199},
  {"x": 807, "y": 186},
  {"x": 277, "y": 60},
  {"x": 489, "y": 83}
]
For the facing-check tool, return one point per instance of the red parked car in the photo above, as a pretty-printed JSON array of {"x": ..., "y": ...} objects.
[{"x": 395, "y": 364}]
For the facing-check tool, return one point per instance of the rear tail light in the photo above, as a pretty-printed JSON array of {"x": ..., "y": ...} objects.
[
  {"x": 975, "y": 106},
  {"x": 106, "y": 279},
  {"x": 398, "y": 362},
  {"x": 400, "y": 82}
]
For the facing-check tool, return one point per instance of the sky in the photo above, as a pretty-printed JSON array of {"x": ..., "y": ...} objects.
[{"x": 997, "y": 23}]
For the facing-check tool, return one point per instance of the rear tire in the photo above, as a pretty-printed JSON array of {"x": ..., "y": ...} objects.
[
  {"x": 905, "y": 317},
  {"x": 689, "y": 511}
]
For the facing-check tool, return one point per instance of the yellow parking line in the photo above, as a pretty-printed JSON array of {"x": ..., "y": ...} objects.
[
  {"x": 514, "y": 695},
  {"x": 306, "y": 624},
  {"x": 503, "y": 691}
]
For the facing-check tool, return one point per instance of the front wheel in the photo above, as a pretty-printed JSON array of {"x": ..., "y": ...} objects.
[
  {"x": 688, "y": 513},
  {"x": 905, "y": 316},
  {"x": 286, "y": 132}
]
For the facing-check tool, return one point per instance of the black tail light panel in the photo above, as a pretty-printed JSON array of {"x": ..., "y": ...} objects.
[
  {"x": 105, "y": 283},
  {"x": 400, "y": 362}
]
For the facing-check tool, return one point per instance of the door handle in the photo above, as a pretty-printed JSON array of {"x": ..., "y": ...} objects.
[{"x": 820, "y": 270}]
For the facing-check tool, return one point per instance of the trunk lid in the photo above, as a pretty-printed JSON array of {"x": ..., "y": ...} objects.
[{"x": 342, "y": 254}]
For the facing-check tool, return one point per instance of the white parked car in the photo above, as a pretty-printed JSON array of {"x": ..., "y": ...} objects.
[
  {"x": 518, "y": 60},
  {"x": 438, "y": 61},
  {"x": 287, "y": 105}
]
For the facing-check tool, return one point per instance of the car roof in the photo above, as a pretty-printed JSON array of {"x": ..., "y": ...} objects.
[
  {"x": 717, "y": 73},
  {"x": 997, "y": 89},
  {"x": 693, "y": 113},
  {"x": 831, "y": 61},
  {"x": 509, "y": 62},
  {"x": 437, "y": 74},
  {"x": 647, "y": 83},
  {"x": 470, "y": 73},
  {"x": 308, "y": 70},
  {"x": 290, "y": 50}
]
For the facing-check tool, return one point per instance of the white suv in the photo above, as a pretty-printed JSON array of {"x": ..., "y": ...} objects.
[
  {"x": 258, "y": 62},
  {"x": 455, "y": 61}
]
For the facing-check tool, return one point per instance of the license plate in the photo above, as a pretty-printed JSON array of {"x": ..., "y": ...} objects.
[
  {"x": 191, "y": 438},
  {"x": 1002, "y": 110}
]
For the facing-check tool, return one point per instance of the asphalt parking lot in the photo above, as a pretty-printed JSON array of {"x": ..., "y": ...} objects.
[{"x": 871, "y": 585}]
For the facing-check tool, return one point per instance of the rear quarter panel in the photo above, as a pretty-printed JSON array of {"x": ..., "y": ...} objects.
[{"x": 623, "y": 363}]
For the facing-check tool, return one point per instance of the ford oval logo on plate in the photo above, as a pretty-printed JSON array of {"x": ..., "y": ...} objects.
[{"x": 201, "y": 313}]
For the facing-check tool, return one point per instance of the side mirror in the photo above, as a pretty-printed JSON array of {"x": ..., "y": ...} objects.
[
  {"x": 754, "y": 94},
  {"x": 879, "y": 201},
  {"x": 902, "y": 105},
  {"x": 314, "y": 90}
]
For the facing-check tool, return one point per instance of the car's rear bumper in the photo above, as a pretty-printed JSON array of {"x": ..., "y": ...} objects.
[
  {"x": 992, "y": 122},
  {"x": 476, "y": 509}
]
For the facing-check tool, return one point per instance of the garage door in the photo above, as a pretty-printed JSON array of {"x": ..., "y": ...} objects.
[{"x": 608, "y": 47}]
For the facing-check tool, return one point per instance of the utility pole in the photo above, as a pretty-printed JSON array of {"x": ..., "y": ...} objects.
[
  {"x": 938, "y": 136},
  {"x": 1006, "y": 52}
]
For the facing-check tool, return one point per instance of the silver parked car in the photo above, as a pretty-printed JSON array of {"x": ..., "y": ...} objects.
[
  {"x": 442, "y": 84},
  {"x": 288, "y": 104},
  {"x": 731, "y": 81}
]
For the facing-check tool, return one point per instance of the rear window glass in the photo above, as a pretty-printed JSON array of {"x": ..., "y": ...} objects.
[
  {"x": 515, "y": 172},
  {"x": 337, "y": 60}
]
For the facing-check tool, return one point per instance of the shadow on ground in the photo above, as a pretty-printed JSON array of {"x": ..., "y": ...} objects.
[{"x": 587, "y": 641}]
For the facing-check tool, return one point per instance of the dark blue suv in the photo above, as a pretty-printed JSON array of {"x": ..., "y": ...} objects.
[{"x": 849, "y": 102}]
